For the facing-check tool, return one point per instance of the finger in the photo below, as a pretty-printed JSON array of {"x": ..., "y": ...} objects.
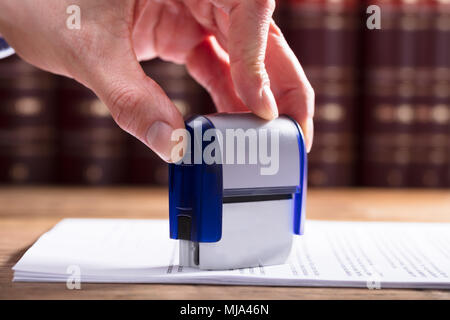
[
  {"x": 137, "y": 103},
  {"x": 213, "y": 19},
  {"x": 292, "y": 90},
  {"x": 209, "y": 65},
  {"x": 246, "y": 44}
]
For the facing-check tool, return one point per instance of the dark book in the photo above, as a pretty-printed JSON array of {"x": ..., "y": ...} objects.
[
  {"x": 430, "y": 151},
  {"x": 146, "y": 167},
  {"x": 324, "y": 36},
  {"x": 389, "y": 95},
  {"x": 92, "y": 147},
  {"x": 406, "y": 118},
  {"x": 27, "y": 124}
]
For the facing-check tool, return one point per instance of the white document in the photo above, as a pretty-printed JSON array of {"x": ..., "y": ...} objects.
[{"x": 347, "y": 254}]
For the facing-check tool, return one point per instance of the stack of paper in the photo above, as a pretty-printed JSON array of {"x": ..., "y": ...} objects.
[{"x": 351, "y": 254}]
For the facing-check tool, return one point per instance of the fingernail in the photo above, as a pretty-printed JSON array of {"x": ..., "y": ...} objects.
[
  {"x": 309, "y": 134},
  {"x": 159, "y": 139},
  {"x": 269, "y": 102}
]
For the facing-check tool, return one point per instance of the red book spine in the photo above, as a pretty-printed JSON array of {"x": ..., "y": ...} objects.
[
  {"x": 390, "y": 94},
  {"x": 324, "y": 35},
  {"x": 27, "y": 126},
  {"x": 92, "y": 147},
  {"x": 431, "y": 147},
  {"x": 441, "y": 85}
]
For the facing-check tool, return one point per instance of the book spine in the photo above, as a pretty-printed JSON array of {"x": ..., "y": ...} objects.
[
  {"x": 441, "y": 85},
  {"x": 430, "y": 162},
  {"x": 389, "y": 94},
  {"x": 27, "y": 124},
  {"x": 188, "y": 96},
  {"x": 324, "y": 36},
  {"x": 92, "y": 147}
]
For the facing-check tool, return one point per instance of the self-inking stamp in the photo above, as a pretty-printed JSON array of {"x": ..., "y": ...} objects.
[{"x": 237, "y": 198}]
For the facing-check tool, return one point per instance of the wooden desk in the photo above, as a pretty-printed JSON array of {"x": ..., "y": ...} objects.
[{"x": 26, "y": 213}]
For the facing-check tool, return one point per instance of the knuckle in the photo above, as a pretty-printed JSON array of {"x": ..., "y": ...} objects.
[
  {"x": 266, "y": 4},
  {"x": 250, "y": 61},
  {"x": 123, "y": 103}
]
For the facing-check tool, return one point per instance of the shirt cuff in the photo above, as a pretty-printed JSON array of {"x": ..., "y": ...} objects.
[{"x": 5, "y": 49}]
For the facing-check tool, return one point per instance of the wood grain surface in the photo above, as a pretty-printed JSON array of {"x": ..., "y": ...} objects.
[{"x": 26, "y": 213}]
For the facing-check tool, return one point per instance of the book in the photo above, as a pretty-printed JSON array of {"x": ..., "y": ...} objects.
[
  {"x": 374, "y": 255},
  {"x": 92, "y": 147},
  {"x": 324, "y": 35},
  {"x": 390, "y": 59},
  {"x": 406, "y": 97},
  {"x": 145, "y": 166},
  {"x": 430, "y": 151},
  {"x": 27, "y": 124}
]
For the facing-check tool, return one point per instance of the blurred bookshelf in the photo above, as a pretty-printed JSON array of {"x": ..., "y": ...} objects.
[{"x": 382, "y": 114}]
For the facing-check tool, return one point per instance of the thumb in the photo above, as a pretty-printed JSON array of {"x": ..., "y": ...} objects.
[{"x": 136, "y": 102}]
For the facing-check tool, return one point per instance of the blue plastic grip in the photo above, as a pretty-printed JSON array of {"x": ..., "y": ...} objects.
[{"x": 195, "y": 192}]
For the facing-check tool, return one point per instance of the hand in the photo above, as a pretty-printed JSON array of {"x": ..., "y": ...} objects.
[{"x": 232, "y": 47}]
